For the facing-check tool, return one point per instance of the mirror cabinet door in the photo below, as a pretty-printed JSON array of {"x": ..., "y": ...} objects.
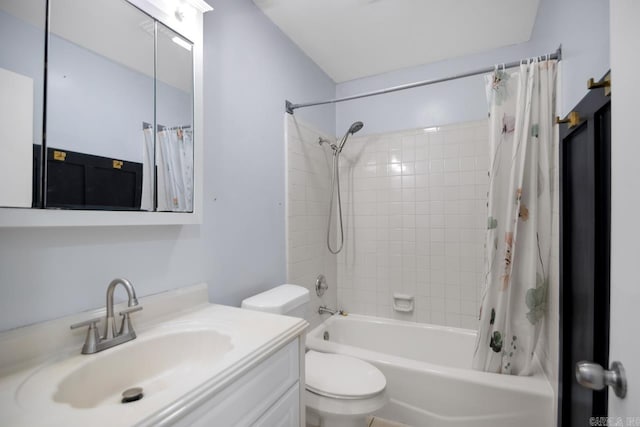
[
  {"x": 174, "y": 114},
  {"x": 100, "y": 99},
  {"x": 22, "y": 48}
]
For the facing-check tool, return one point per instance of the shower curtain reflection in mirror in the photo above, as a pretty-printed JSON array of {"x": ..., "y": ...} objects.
[
  {"x": 174, "y": 166},
  {"x": 146, "y": 203}
]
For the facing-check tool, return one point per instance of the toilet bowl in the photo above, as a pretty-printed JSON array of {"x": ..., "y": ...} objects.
[{"x": 340, "y": 390}]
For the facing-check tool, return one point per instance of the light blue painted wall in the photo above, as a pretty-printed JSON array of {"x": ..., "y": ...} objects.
[
  {"x": 250, "y": 68},
  {"x": 581, "y": 26}
]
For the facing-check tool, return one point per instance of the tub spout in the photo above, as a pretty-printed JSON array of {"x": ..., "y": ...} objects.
[{"x": 323, "y": 309}]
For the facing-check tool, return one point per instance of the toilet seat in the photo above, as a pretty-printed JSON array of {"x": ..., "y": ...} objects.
[{"x": 342, "y": 377}]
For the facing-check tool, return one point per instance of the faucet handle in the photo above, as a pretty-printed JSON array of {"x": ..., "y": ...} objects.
[
  {"x": 90, "y": 323},
  {"x": 125, "y": 327},
  {"x": 130, "y": 310},
  {"x": 93, "y": 337}
]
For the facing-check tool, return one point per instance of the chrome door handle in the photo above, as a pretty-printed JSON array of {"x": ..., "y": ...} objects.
[{"x": 593, "y": 376}]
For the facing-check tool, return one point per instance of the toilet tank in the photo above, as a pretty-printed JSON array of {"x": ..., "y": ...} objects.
[{"x": 289, "y": 300}]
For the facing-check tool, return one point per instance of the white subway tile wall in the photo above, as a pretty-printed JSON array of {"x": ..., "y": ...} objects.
[
  {"x": 415, "y": 221},
  {"x": 308, "y": 183}
]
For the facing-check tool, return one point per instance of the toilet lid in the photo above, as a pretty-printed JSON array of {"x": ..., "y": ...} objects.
[{"x": 344, "y": 377}]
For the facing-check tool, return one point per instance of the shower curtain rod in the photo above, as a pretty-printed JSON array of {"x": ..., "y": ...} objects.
[
  {"x": 163, "y": 127},
  {"x": 146, "y": 125},
  {"x": 290, "y": 107}
]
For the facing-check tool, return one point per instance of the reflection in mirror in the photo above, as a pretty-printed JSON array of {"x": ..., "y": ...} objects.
[
  {"x": 100, "y": 90},
  {"x": 22, "y": 39},
  {"x": 174, "y": 115}
]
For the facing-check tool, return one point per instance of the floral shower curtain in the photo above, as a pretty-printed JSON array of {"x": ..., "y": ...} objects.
[{"x": 521, "y": 110}]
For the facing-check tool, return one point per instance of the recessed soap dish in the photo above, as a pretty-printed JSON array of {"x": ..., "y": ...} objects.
[{"x": 403, "y": 302}]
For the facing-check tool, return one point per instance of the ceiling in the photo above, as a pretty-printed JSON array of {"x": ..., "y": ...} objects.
[{"x": 350, "y": 39}]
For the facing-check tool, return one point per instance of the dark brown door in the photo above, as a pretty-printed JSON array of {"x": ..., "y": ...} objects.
[{"x": 584, "y": 255}]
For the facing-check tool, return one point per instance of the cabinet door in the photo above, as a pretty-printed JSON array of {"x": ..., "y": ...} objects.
[
  {"x": 247, "y": 398},
  {"x": 285, "y": 412}
]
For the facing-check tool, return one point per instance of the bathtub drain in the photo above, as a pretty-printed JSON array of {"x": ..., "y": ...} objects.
[{"x": 326, "y": 335}]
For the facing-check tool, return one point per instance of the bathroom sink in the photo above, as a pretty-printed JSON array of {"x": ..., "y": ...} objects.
[{"x": 161, "y": 363}]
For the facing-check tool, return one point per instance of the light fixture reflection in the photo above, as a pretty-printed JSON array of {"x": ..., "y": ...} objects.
[
  {"x": 177, "y": 40},
  {"x": 431, "y": 129}
]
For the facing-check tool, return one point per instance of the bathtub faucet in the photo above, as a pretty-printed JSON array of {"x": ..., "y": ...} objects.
[{"x": 323, "y": 309}]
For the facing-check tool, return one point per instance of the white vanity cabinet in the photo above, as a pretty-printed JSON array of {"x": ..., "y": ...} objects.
[
  {"x": 267, "y": 395},
  {"x": 199, "y": 364}
]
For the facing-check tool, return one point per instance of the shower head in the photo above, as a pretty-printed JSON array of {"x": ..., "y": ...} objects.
[{"x": 355, "y": 127}]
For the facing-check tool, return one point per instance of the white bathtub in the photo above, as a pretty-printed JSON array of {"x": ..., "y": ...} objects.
[{"x": 429, "y": 376}]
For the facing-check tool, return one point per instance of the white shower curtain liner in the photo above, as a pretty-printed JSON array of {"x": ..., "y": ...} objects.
[
  {"x": 174, "y": 161},
  {"x": 521, "y": 111}
]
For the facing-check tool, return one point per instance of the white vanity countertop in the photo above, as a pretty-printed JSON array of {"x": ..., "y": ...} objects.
[{"x": 253, "y": 337}]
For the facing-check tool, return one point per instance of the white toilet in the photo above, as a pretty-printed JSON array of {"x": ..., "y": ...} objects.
[{"x": 340, "y": 390}]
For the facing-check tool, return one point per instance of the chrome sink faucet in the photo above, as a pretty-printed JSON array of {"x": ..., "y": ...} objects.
[
  {"x": 110, "y": 330},
  {"x": 113, "y": 335}
]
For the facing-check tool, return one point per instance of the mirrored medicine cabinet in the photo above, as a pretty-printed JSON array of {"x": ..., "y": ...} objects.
[{"x": 96, "y": 110}]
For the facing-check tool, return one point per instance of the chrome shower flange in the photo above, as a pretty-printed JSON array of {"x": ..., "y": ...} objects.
[{"x": 321, "y": 285}]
